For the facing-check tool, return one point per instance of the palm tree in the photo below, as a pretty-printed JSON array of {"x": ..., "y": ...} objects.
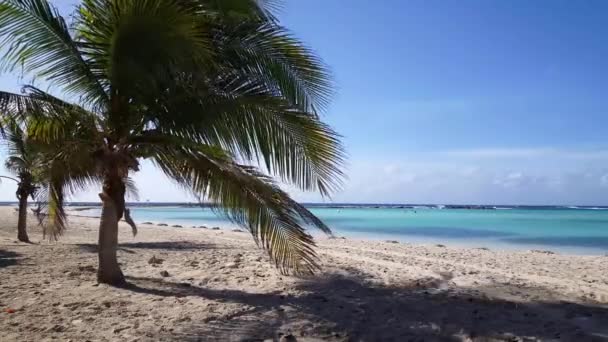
[
  {"x": 24, "y": 162},
  {"x": 217, "y": 94}
]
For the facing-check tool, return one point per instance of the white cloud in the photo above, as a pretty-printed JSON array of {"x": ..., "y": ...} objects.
[
  {"x": 523, "y": 153},
  {"x": 552, "y": 177},
  {"x": 510, "y": 180},
  {"x": 391, "y": 169},
  {"x": 437, "y": 178}
]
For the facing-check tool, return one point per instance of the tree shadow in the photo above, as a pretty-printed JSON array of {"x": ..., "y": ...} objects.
[
  {"x": 350, "y": 307},
  {"x": 8, "y": 258},
  {"x": 163, "y": 245}
]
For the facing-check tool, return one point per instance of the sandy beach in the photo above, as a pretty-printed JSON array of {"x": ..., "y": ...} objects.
[{"x": 193, "y": 284}]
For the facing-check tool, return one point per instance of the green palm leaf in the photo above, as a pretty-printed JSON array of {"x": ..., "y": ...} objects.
[
  {"x": 248, "y": 198},
  {"x": 37, "y": 39},
  {"x": 269, "y": 53},
  {"x": 67, "y": 169}
]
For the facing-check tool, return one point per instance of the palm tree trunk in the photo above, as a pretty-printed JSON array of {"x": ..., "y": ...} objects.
[
  {"x": 109, "y": 271},
  {"x": 22, "y": 222}
]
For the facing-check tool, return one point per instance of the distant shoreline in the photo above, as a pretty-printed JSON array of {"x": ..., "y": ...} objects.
[
  {"x": 352, "y": 205},
  {"x": 423, "y": 234}
]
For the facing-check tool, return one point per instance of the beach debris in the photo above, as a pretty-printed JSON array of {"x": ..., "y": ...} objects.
[
  {"x": 164, "y": 273},
  {"x": 539, "y": 251},
  {"x": 483, "y": 248},
  {"x": 231, "y": 265},
  {"x": 155, "y": 261},
  {"x": 147, "y": 223},
  {"x": 162, "y": 225},
  {"x": 87, "y": 268},
  {"x": 177, "y": 226},
  {"x": 119, "y": 329},
  {"x": 9, "y": 310},
  {"x": 192, "y": 263},
  {"x": 204, "y": 227},
  {"x": 215, "y": 228},
  {"x": 237, "y": 230},
  {"x": 440, "y": 245},
  {"x": 391, "y": 241}
]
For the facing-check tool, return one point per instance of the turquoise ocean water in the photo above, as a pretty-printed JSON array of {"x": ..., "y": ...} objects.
[{"x": 569, "y": 230}]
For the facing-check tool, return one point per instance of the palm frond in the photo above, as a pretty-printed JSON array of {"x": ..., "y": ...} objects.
[
  {"x": 69, "y": 166},
  {"x": 7, "y": 177},
  {"x": 57, "y": 187},
  {"x": 134, "y": 43},
  {"x": 56, "y": 218},
  {"x": 293, "y": 145},
  {"x": 15, "y": 107},
  {"x": 34, "y": 104},
  {"x": 14, "y": 137},
  {"x": 269, "y": 54},
  {"x": 263, "y": 10},
  {"x": 36, "y": 38},
  {"x": 58, "y": 122},
  {"x": 131, "y": 188},
  {"x": 248, "y": 198},
  {"x": 23, "y": 154},
  {"x": 15, "y": 164}
]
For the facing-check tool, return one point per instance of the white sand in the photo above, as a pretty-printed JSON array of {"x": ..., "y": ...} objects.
[{"x": 222, "y": 288}]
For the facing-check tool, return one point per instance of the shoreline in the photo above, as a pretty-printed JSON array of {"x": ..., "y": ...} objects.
[
  {"x": 464, "y": 243},
  {"x": 220, "y": 286}
]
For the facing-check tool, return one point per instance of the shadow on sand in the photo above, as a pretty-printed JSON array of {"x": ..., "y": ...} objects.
[
  {"x": 163, "y": 245},
  {"x": 8, "y": 258},
  {"x": 345, "y": 307}
]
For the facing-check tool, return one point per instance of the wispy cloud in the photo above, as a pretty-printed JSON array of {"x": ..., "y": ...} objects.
[
  {"x": 515, "y": 153},
  {"x": 500, "y": 176},
  {"x": 484, "y": 176}
]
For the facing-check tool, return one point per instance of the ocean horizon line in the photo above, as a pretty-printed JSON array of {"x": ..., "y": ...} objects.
[{"x": 345, "y": 205}]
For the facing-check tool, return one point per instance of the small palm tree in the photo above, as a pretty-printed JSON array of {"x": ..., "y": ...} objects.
[
  {"x": 24, "y": 162},
  {"x": 204, "y": 89}
]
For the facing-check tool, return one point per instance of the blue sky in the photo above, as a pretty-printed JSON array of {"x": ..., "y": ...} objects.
[{"x": 456, "y": 101}]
